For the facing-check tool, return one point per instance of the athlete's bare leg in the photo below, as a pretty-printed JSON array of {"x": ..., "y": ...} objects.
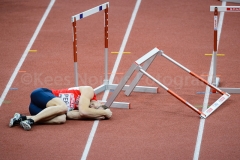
[
  {"x": 56, "y": 120},
  {"x": 54, "y": 108}
]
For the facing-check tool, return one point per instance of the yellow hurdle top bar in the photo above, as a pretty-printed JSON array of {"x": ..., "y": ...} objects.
[
  {"x": 90, "y": 11},
  {"x": 225, "y": 8}
]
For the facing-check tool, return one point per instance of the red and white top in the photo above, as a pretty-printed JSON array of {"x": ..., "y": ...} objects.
[{"x": 70, "y": 96}]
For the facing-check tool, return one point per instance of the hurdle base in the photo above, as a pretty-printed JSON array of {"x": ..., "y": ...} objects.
[
  {"x": 231, "y": 90},
  {"x": 144, "y": 89},
  {"x": 232, "y": 1},
  {"x": 228, "y": 90},
  {"x": 215, "y": 105},
  {"x": 124, "y": 105},
  {"x": 102, "y": 88}
]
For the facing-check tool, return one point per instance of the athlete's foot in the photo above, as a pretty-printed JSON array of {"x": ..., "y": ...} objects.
[
  {"x": 17, "y": 118},
  {"x": 27, "y": 124}
]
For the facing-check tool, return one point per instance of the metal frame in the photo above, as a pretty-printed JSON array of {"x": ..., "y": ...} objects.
[
  {"x": 105, "y": 86},
  {"x": 148, "y": 59},
  {"x": 216, "y": 80},
  {"x": 232, "y": 1}
]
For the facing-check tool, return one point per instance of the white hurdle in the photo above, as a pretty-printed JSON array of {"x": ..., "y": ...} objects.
[
  {"x": 148, "y": 59},
  {"x": 216, "y": 9},
  {"x": 232, "y": 1},
  {"x": 106, "y": 85}
]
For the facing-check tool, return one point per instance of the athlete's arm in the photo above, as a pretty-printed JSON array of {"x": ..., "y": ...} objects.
[
  {"x": 74, "y": 114},
  {"x": 87, "y": 93}
]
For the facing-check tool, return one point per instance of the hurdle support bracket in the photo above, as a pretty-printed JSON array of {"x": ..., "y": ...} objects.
[
  {"x": 106, "y": 86},
  {"x": 147, "y": 59}
]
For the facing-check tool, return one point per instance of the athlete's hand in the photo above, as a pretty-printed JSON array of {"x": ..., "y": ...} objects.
[{"x": 108, "y": 113}]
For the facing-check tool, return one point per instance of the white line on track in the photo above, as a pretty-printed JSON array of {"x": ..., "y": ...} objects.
[
  {"x": 206, "y": 97},
  {"x": 124, "y": 42},
  {"x": 25, "y": 53}
]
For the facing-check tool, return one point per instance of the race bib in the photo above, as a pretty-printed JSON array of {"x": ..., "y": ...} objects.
[{"x": 69, "y": 100}]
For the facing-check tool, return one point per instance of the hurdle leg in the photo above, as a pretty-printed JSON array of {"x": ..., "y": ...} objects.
[
  {"x": 215, "y": 105},
  {"x": 222, "y": 9},
  {"x": 172, "y": 93},
  {"x": 139, "y": 76},
  {"x": 75, "y": 51},
  {"x": 106, "y": 44},
  {"x": 214, "y": 58},
  {"x": 121, "y": 85},
  {"x": 80, "y": 16},
  {"x": 193, "y": 74}
]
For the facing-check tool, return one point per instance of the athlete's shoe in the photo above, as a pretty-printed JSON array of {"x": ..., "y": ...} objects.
[
  {"x": 27, "y": 124},
  {"x": 17, "y": 118}
]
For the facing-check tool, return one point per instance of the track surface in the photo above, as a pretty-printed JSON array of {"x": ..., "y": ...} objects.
[{"x": 157, "y": 126}]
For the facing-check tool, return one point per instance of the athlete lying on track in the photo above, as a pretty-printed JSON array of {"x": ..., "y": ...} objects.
[{"x": 55, "y": 106}]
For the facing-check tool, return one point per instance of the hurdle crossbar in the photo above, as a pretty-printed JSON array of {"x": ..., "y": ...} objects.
[
  {"x": 148, "y": 60},
  {"x": 231, "y": 1},
  {"x": 106, "y": 85},
  {"x": 225, "y": 8},
  {"x": 216, "y": 80},
  {"x": 90, "y": 11},
  {"x": 80, "y": 16}
]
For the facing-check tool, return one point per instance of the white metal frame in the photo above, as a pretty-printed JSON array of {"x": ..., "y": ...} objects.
[
  {"x": 147, "y": 59},
  {"x": 233, "y": 1},
  {"x": 106, "y": 85},
  {"x": 216, "y": 80}
]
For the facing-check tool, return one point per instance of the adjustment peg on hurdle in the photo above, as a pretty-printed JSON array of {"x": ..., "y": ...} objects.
[
  {"x": 116, "y": 73},
  {"x": 32, "y": 50},
  {"x": 122, "y": 52},
  {"x": 6, "y": 102},
  {"x": 212, "y": 54},
  {"x": 22, "y": 71},
  {"x": 200, "y": 106},
  {"x": 13, "y": 89}
]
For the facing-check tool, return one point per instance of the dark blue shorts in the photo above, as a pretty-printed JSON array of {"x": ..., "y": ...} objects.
[{"x": 39, "y": 99}]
